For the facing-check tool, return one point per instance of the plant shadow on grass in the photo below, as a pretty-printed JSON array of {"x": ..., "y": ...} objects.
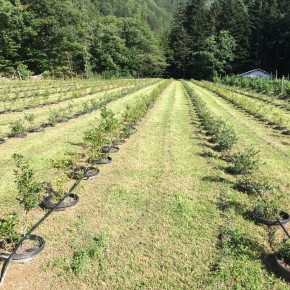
[
  {"x": 206, "y": 145},
  {"x": 207, "y": 154},
  {"x": 195, "y": 123},
  {"x": 197, "y": 137},
  {"x": 248, "y": 215},
  {"x": 76, "y": 144},
  {"x": 285, "y": 143},
  {"x": 270, "y": 267},
  {"x": 231, "y": 204},
  {"x": 216, "y": 179}
]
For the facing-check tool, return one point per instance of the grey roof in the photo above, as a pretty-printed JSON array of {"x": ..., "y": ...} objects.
[{"x": 254, "y": 70}]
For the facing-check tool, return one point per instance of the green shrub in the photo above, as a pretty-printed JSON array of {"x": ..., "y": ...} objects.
[
  {"x": 55, "y": 116},
  {"x": 16, "y": 127},
  {"x": 8, "y": 231},
  {"x": 250, "y": 185},
  {"x": 28, "y": 188},
  {"x": 268, "y": 209},
  {"x": 236, "y": 241},
  {"x": 225, "y": 138},
  {"x": 24, "y": 71},
  {"x": 245, "y": 162},
  {"x": 46, "y": 74},
  {"x": 93, "y": 142},
  {"x": 284, "y": 250}
]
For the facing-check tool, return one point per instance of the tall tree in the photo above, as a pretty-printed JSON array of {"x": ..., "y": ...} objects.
[
  {"x": 198, "y": 23},
  {"x": 232, "y": 16},
  {"x": 179, "y": 44},
  {"x": 11, "y": 29}
]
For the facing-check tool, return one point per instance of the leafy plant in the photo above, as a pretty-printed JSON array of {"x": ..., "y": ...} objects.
[
  {"x": 60, "y": 188},
  {"x": 54, "y": 116},
  {"x": 225, "y": 138},
  {"x": 254, "y": 186},
  {"x": 284, "y": 251},
  {"x": 267, "y": 209},
  {"x": 16, "y": 127},
  {"x": 93, "y": 142},
  {"x": 245, "y": 162},
  {"x": 109, "y": 125},
  {"x": 28, "y": 188},
  {"x": 31, "y": 119},
  {"x": 8, "y": 234},
  {"x": 236, "y": 241},
  {"x": 65, "y": 164}
]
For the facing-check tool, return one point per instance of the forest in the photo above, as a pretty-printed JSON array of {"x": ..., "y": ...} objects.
[{"x": 150, "y": 38}]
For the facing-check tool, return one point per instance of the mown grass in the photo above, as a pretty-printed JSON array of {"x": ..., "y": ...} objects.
[{"x": 163, "y": 208}]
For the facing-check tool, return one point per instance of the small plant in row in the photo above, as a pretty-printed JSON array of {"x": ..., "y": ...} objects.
[
  {"x": 18, "y": 128},
  {"x": 221, "y": 134},
  {"x": 14, "y": 226},
  {"x": 259, "y": 109},
  {"x": 30, "y": 192},
  {"x": 275, "y": 87}
]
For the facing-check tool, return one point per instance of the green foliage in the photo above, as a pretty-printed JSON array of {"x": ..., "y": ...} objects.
[
  {"x": 268, "y": 209},
  {"x": 225, "y": 138},
  {"x": 109, "y": 124},
  {"x": 28, "y": 188},
  {"x": 23, "y": 71},
  {"x": 245, "y": 162},
  {"x": 94, "y": 140},
  {"x": 80, "y": 258},
  {"x": 75, "y": 37},
  {"x": 46, "y": 74},
  {"x": 29, "y": 117},
  {"x": 254, "y": 186},
  {"x": 125, "y": 47},
  {"x": 276, "y": 88},
  {"x": 228, "y": 36},
  {"x": 236, "y": 241},
  {"x": 55, "y": 116},
  {"x": 221, "y": 134},
  {"x": 284, "y": 250},
  {"x": 11, "y": 19},
  {"x": 8, "y": 233},
  {"x": 17, "y": 127}
]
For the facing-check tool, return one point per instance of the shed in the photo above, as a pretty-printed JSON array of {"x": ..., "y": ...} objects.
[{"x": 256, "y": 73}]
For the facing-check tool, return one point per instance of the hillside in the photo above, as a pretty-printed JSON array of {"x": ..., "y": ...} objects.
[
  {"x": 65, "y": 38},
  {"x": 157, "y": 13}
]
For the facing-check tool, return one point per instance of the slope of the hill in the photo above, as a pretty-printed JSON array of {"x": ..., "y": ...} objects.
[
  {"x": 72, "y": 37},
  {"x": 157, "y": 13}
]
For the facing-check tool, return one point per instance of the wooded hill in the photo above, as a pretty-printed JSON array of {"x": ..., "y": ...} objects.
[
  {"x": 75, "y": 36},
  {"x": 183, "y": 39}
]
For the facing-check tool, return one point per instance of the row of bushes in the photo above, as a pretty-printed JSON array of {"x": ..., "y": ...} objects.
[
  {"x": 276, "y": 87},
  {"x": 266, "y": 198},
  {"x": 71, "y": 111},
  {"x": 258, "y": 109},
  {"x": 109, "y": 131},
  {"x": 19, "y": 103},
  {"x": 220, "y": 132}
]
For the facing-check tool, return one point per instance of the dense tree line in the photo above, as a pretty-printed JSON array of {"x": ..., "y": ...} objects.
[
  {"x": 229, "y": 36},
  {"x": 68, "y": 37},
  {"x": 200, "y": 39}
]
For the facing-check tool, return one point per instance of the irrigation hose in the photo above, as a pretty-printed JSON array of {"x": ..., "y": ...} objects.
[
  {"x": 8, "y": 261},
  {"x": 284, "y": 229}
]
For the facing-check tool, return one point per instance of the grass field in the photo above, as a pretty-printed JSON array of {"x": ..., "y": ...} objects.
[{"x": 163, "y": 214}]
